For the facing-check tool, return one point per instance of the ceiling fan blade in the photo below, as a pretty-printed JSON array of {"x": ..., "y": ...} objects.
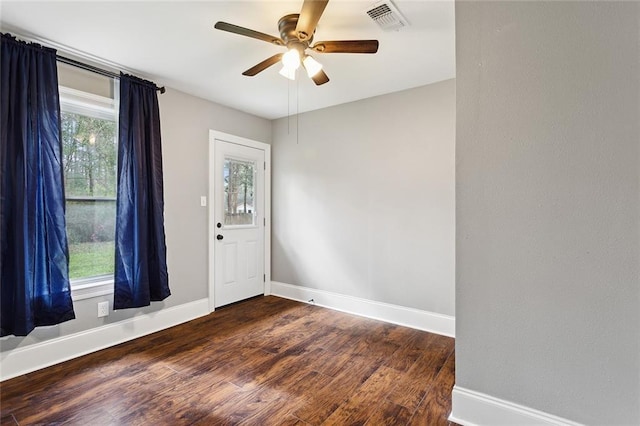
[
  {"x": 320, "y": 78},
  {"x": 346, "y": 46},
  {"x": 263, "y": 65},
  {"x": 224, "y": 26},
  {"x": 309, "y": 17}
]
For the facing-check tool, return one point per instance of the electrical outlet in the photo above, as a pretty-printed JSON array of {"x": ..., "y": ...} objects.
[{"x": 103, "y": 309}]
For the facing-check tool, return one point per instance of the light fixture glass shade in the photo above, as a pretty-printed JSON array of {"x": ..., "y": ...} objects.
[
  {"x": 291, "y": 59},
  {"x": 312, "y": 66},
  {"x": 288, "y": 72}
]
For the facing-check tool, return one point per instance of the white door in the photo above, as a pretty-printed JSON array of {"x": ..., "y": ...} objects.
[{"x": 239, "y": 222}]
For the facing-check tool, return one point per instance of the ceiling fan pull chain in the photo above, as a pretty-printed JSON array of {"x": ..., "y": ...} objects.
[{"x": 288, "y": 110}]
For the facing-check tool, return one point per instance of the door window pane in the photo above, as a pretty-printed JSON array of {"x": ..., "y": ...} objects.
[{"x": 239, "y": 177}]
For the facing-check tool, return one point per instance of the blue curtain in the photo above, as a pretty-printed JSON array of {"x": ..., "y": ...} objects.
[
  {"x": 34, "y": 256},
  {"x": 141, "y": 266}
]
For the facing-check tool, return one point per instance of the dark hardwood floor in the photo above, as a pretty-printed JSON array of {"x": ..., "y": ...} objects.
[{"x": 265, "y": 361}]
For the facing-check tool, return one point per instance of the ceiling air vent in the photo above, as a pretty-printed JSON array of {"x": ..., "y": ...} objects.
[{"x": 387, "y": 16}]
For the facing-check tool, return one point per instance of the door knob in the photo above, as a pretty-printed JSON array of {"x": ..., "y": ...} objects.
[{"x": 219, "y": 236}]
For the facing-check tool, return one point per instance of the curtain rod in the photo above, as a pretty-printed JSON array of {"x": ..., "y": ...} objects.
[{"x": 95, "y": 69}]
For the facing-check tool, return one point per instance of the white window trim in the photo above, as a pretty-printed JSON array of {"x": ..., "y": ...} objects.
[
  {"x": 92, "y": 287},
  {"x": 79, "y": 102}
]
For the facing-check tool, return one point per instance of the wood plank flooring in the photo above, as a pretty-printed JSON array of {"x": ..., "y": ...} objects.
[{"x": 264, "y": 361}]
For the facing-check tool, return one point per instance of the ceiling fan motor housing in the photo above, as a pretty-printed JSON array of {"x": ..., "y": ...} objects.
[{"x": 287, "y": 27}]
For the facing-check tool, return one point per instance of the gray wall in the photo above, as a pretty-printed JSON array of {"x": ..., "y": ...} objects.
[
  {"x": 79, "y": 79},
  {"x": 363, "y": 199},
  {"x": 548, "y": 206},
  {"x": 185, "y": 121}
]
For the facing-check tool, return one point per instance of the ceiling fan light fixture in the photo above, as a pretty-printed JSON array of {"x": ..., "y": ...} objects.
[
  {"x": 290, "y": 73},
  {"x": 291, "y": 59},
  {"x": 312, "y": 66}
]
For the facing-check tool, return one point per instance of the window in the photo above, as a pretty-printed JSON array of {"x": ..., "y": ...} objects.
[
  {"x": 238, "y": 190},
  {"x": 89, "y": 148}
]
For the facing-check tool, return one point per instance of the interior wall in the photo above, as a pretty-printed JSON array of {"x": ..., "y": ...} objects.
[
  {"x": 548, "y": 206},
  {"x": 185, "y": 124},
  {"x": 85, "y": 81},
  {"x": 363, "y": 199}
]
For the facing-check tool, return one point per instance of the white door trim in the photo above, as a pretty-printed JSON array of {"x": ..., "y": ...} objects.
[{"x": 213, "y": 135}]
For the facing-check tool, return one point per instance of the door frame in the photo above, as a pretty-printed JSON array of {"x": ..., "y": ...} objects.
[{"x": 213, "y": 136}]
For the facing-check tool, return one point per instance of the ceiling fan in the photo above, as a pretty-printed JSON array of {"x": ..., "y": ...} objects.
[{"x": 296, "y": 34}]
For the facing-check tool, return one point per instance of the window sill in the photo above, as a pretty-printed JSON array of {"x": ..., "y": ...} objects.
[{"x": 83, "y": 289}]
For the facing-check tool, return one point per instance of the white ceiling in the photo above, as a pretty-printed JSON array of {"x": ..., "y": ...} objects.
[{"x": 174, "y": 44}]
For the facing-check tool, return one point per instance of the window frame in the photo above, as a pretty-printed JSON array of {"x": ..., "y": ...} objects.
[{"x": 84, "y": 103}]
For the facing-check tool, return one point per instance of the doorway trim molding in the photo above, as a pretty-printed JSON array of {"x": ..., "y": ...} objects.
[{"x": 213, "y": 135}]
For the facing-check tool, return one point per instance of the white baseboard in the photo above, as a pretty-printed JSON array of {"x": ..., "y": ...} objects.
[
  {"x": 470, "y": 408},
  {"x": 33, "y": 357},
  {"x": 395, "y": 314}
]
